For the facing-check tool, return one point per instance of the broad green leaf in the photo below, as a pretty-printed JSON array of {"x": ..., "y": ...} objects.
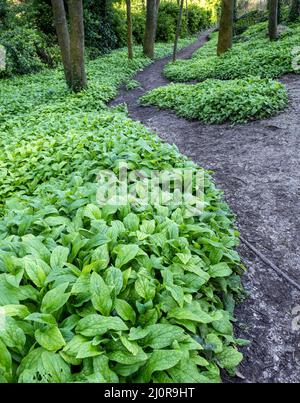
[
  {"x": 100, "y": 294},
  {"x": 43, "y": 318},
  {"x": 11, "y": 334},
  {"x": 160, "y": 360},
  {"x": 5, "y": 362},
  {"x": 131, "y": 346},
  {"x": 114, "y": 279},
  {"x": 55, "y": 368},
  {"x": 93, "y": 325},
  {"x": 125, "y": 253},
  {"x": 101, "y": 256},
  {"x": 35, "y": 247},
  {"x": 162, "y": 335},
  {"x": 101, "y": 366},
  {"x": 87, "y": 350},
  {"x": 59, "y": 257},
  {"x": 215, "y": 342},
  {"x": 55, "y": 299},
  {"x": 131, "y": 222},
  {"x": 125, "y": 357},
  {"x": 229, "y": 358},
  {"x": 137, "y": 333},
  {"x": 145, "y": 288},
  {"x": 50, "y": 338},
  {"x": 219, "y": 270},
  {"x": 14, "y": 310},
  {"x": 125, "y": 311},
  {"x": 193, "y": 315},
  {"x": 36, "y": 269}
]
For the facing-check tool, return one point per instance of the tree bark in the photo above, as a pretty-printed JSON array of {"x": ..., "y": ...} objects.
[
  {"x": 279, "y": 12},
  {"x": 151, "y": 26},
  {"x": 61, "y": 25},
  {"x": 273, "y": 11},
  {"x": 129, "y": 29},
  {"x": 294, "y": 10},
  {"x": 178, "y": 29},
  {"x": 79, "y": 81},
  {"x": 226, "y": 27}
]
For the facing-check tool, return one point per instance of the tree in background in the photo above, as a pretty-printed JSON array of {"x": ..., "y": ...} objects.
[
  {"x": 226, "y": 27},
  {"x": 294, "y": 10},
  {"x": 178, "y": 29},
  {"x": 79, "y": 81},
  {"x": 150, "y": 29},
  {"x": 61, "y": 25},
  {"x": 273, "y": 18},
  {"x": 71, "y": 43},
  {"x": 129, "y": 29}
]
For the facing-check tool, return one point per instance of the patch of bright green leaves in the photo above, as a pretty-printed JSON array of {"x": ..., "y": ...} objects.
[
  {"x": 216, "y": 101},
  {"x": 93, "y": 292},
  {"x": 253, "y": 54}
]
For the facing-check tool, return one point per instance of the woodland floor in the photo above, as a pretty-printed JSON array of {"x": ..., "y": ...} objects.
[{"x": 258, "y": 166}]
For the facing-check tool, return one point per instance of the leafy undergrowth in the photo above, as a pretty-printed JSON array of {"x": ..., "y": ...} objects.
[
  {"x": 46, "y": 92},
  {"x": 253, "y": 54},
  {"x": 90, "y": 291},
  {"x": 216, "y": 101}
]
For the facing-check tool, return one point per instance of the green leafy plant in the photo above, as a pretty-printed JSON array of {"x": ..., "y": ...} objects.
[
  {"x": 93, "y": 292},
  {"x": 253, "y": 54},
  {"x": 132, "y": 84},
  {"x": 216, "y": 101}
]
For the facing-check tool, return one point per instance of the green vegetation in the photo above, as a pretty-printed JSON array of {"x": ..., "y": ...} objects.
[
  {"x": 254, "y": 54},
  {"x": 93, "y": 292},
  {"x": 216, "y": 101},
  {"x": 27, "y": 30}
]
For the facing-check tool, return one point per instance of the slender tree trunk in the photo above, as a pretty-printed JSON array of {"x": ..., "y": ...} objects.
[
  {"x": 273, "y": 10},
  {"x": 150, "y": 29},
  {"x": 79, "y": 81},
  {"x": 156, "y": 17},
  {"x": 235, "y": 10},
  {"x": 294, "y": 10},
  {"x": 178, "y": 29},
  {"x": 61, "y": 25},
  {"x": 279, "y": 12},
  {"x": 226, "y": 27},
  {"x": 187, "y": 16},
  {"x": 129, "y": 29}
]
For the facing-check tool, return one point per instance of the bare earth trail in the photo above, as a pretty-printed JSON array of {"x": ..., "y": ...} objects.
[{"x": 258, "y": 166}]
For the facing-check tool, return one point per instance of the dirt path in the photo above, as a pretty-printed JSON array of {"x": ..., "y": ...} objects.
[{"x": 258, "y": 167}]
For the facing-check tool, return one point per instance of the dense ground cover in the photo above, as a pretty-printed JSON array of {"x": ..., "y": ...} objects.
[
  {"x": 94, "y": 292},
  {"x": 236, "y": 86},
  {"x": 216, "y": 101},
  {"x": 253, "y": 54}
]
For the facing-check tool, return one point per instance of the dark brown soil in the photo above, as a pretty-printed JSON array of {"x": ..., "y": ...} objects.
[{"x": 258, "y": 166}]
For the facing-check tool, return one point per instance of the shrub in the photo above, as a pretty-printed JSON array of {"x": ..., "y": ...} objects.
[
  {"x": 215, "y": 101},
  {"x": 91, "y": 292},
  {"x": 22, "y": 48}
]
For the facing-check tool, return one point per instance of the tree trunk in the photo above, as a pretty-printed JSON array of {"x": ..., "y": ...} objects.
[
  {"x": 151, "y": 26},
  {"x": 178, "y": 29},
  {"x": 273, "y": 10},
  {"x": 226, "y": 27},
  {"x": 187, "y": 16},
  {"x": 294, "y": 10},
  {"x": 156, "y": 16},
  {"x": 79, "y": 81},
  {"x": 61, "y": 25},
  {"x": 279, "y": 12},
  {"x": 129, "y": 29}
]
